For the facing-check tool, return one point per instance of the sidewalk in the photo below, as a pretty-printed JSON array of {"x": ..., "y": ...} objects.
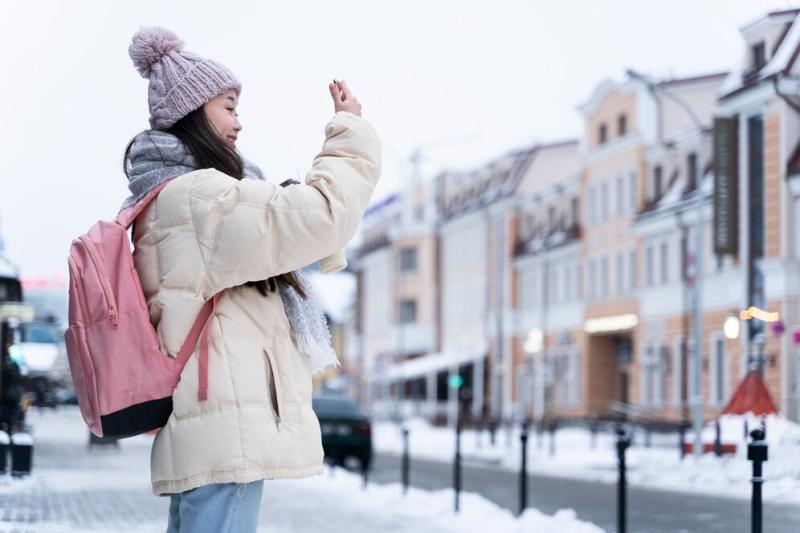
[{"x": 74, "y": 489}]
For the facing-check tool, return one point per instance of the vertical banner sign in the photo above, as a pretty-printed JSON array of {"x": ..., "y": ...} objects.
[{"x": 726, "y": 185}]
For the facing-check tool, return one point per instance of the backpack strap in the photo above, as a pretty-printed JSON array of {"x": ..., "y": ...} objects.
[
  {"x": 199, "y": 332},
  {"x": 126, "y": 217}
]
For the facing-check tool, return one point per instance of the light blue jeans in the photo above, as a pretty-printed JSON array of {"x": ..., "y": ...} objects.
[{"x": 216, "y": 508}]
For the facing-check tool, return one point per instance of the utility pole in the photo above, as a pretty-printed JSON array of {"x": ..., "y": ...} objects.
[{"x": 696, "y": 394}]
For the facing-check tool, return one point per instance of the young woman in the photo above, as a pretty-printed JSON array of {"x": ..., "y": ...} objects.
[{"x": 218, "y": 231}]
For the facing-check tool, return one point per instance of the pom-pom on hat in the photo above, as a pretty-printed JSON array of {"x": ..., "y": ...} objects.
[{"x": 180, "y": 81}]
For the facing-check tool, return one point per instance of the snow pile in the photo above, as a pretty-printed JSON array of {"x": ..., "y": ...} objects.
[
  {"x": 658, "y": 466},
  {"x": 384, "y": 508}
]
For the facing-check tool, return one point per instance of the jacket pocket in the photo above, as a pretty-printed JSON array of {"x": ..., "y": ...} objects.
[{"x": 274, "y": 388}]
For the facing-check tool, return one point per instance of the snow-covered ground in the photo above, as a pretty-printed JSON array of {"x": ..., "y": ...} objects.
[
  {"x": 73, "y": 489},
  {"x": 658, "y": 466}
]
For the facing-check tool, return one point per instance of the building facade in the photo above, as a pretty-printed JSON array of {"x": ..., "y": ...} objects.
[{"x": 573, "y": 279}]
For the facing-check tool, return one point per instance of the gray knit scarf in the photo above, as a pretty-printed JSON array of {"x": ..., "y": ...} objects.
[{"x": 156, "y": 157}]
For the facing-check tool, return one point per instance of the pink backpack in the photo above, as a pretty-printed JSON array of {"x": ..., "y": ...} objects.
[{"x": 123, "y": 382}]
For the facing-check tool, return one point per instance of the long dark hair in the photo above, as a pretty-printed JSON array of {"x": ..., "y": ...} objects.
[{"x": 209, "y": 151}]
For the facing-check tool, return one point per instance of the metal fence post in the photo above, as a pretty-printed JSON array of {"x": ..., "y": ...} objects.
[
  {"x": 623, "y": 442},
  {"x": 523, "y": 475},
  {"x": 717, "y": 439},
  {"x": 757, "y": 452},
  {"x": 682, "y": 439},
  {"x": 457, "y": 465},
  {"x": 406, "y": 461}
]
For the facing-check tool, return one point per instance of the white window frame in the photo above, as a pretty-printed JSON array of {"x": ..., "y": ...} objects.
[
  {"x": 719, "y": 379},
  {"x": 677, "y": 371}
]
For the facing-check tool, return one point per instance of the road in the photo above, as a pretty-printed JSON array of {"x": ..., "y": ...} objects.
[{"x": 649, "y": 511}]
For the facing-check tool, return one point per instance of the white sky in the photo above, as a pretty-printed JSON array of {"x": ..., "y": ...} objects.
[{"x": 487, "y": 78}]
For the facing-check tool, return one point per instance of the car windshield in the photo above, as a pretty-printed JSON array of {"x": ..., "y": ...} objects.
[
  {"x": 334, "y": 405},
  {"x": 39, "y": 334}
]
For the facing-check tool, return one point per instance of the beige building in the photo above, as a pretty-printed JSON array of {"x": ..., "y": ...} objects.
[{"x": 561, "y": 279}]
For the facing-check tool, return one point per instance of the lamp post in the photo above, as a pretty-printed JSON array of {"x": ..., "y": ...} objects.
[{"x": 696, "y": 397}]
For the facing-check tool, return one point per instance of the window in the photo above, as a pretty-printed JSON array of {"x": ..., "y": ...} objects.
[
  {"x": 604, "y": 277},
  {"x": 677, "y": 374},
  {"x": 662, "y": 370},
  {"x": 718, "y": 368},
  {"x": 408, "y": 311},
  {"x": 632, "y": 270},
  {"x": 590, "y": 281},
  {"x": 619, "y": 184},
  {"x": 758, "y": 55},
  {"x": 648, "y": 266},
  {"x": 664, "y": 262},
  {"x": 691, "y": 171},
  {"x": 622, "y": 125},
  {"x": 633, "y": 201},
  {"x": 657, "y": 182},
  {"x": 575, "y": 207},
  {"x": 647, "y": 376},
  {"x": 620, "y": 285},
  {"x": 551, "y": 218},
  {"x": 552, "y": 285},
  {"x": 408, "y": 260},
  {"x": 604, "y": 201},
  {"x": 591, "y": 215},
  {"x": 602, "y": 133}
]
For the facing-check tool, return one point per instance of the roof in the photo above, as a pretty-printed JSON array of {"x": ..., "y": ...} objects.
[
  {"x": 783, "y": 59},
  {"x": 492, "y": 182},
  {"x": 751, "y": 396}
]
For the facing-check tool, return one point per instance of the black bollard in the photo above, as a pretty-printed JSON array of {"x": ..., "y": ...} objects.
[
  {"x": 746, "y": 430},
  {"x": 492, "y": 430},
  {"x": 717, "y": 439},
  {"x": 21, "y": 454},
  {"x": 479, "y": 434},
  {"x": 406, "y": 461},
  {"x": 623, "y": 442},
  {"x": 5, "y": 447},
  {"x": 648, "y": 435},
  {"x": 682, "y": 439},
  {"x": 552, "y": 425},
  {"x": 757, "y": 452},
  {"x": 593, "y": 423},
  {"x": 764, "y": 426},
  {"x": 523, "y": 474},
  {"x": 364, "y": 474},
  {"x": 457, "y": 465}
]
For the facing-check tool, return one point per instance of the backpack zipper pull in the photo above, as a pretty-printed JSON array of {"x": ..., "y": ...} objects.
[{"x": 114, "y": 319}]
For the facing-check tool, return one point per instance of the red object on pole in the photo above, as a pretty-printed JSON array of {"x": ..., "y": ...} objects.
[{"x": 751, "y": 396}]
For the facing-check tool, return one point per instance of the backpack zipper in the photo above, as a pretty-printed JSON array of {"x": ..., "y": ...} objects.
[
  {"x": 76, "y": 274},
  {"x": 101, "y": 272}
]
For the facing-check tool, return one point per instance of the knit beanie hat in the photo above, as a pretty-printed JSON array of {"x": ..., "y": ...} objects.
[{"x": 180, "y": 81}]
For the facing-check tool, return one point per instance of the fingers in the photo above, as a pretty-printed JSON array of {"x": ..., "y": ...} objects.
[
  {"x": 347, "y": 95},
  {"x": 336, "y": 92}
]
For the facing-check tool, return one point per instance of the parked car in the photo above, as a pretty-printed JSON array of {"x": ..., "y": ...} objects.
[{"x": 346, "y": 431}]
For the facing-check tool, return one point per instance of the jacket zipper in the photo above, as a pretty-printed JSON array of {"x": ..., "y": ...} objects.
[
  {"x": 73, "y": 268},
  {"x": 101, "y": 272},
  {"x": 276, "y": 405}
]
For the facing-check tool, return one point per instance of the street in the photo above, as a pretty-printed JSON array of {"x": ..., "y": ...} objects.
[{"x": 650, "y": 511}]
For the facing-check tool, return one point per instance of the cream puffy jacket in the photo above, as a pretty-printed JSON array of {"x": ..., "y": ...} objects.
[{"x": 207, "y": 232}]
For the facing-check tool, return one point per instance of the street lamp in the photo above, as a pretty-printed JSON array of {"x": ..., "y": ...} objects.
[
  {"x": 696, "y": 400},
  {"x": 731, "y": 327}
]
